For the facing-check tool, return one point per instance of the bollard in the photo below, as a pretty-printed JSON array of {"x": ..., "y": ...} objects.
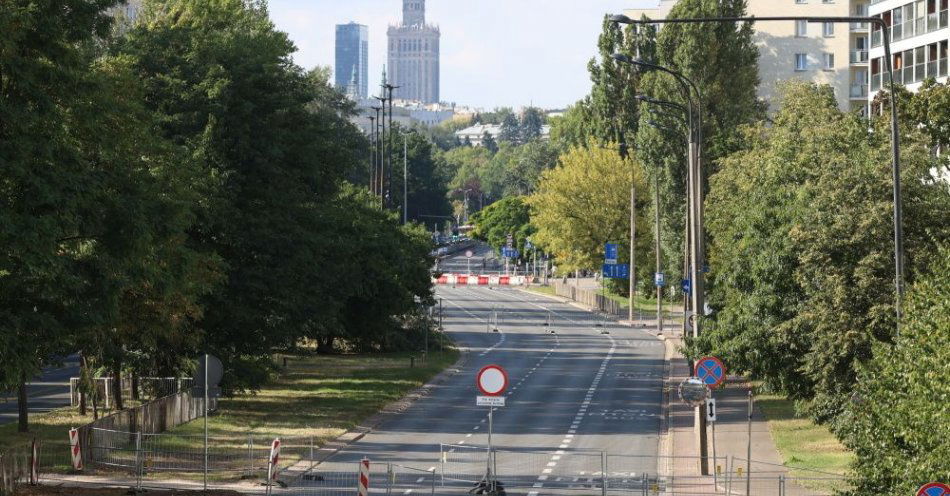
[
  {"x": 603, "y": 467},
  {"x": 781, "y": 485}
]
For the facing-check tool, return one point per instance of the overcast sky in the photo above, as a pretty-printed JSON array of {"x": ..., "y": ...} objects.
[{"x": 494, "y": 52}]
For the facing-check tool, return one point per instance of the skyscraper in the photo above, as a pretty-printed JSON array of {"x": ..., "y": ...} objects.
[
  {"x": 352, "y": 58},
  {"x": 414, "y": 55}
]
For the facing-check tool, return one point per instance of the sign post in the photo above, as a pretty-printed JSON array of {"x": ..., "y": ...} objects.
[
  {"x": 468, "y": 257},
  {"x": 711, "y": 420},
  {"x": 273, "y": 462},
  {"x": 492, "y": 380},
  {"x": 75, "y": 449}
]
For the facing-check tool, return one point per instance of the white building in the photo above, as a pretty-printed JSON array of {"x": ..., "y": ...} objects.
[
  {"x": 475, "y": 134},
  {"x": 919, "y": 34},
  {"x": 825, "y": 53}
]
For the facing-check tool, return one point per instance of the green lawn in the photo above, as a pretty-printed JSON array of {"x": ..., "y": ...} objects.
[
  {"x": 322, "y": 396},
  {"x": 318, "y": 395},
  {"x": 802, "y": 443}
]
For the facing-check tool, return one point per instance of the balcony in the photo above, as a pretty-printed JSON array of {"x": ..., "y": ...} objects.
[
  {"x": 859, "y": 91},
  {"x": 859, "y": 56},
  {"x": 859, "y": 27},
  {"x": 921, "y": 25}
]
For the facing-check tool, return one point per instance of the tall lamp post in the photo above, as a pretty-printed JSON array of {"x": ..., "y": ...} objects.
[
  {"x": 388, "y": 178},
  {"x": 380, "y": 176},
  {"x": 895, "y": 130},
  {"x": 695, "y": 189}
]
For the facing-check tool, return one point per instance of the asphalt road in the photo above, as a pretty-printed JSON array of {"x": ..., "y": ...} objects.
[
  {"x": 47, "y": 391},
  {"x": 573, "y": 394}
]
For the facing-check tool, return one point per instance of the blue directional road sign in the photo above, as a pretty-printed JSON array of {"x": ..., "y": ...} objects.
[
  {"x": 610, "y": 253},
  {"x": 660, "y": 279},
  {"x": 509, "y": 253},
  {"x": 616, "y": 271},
  {"x": 686, "y": 285},
  {"x": 711, "y": 371}
]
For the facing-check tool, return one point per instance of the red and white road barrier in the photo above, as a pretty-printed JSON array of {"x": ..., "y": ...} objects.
[
  {"x": 34, "y": 465},
  {"x": 479, "y": 280},
  {"x": 364, "y": 477},
  {"x": 75, "y": 449},
  {"x": 274, "y": 460}
]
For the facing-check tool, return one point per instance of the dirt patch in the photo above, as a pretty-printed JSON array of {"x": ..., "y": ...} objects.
[{"x": 83, "y": 491}]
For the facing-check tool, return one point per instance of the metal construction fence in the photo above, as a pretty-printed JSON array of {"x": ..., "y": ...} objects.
[
  {"x": 147, "y": 388},
  {"x": 155, "y": 460},
  {"x": 589, "y": 472}
]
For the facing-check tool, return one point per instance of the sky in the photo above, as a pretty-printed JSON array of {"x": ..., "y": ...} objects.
[{"x": 494, "y": 52}]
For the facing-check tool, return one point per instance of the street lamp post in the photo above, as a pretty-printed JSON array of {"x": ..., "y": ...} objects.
[
  {"x": 388, "y": 179},
  {"x": 694, "y": 170},
  {"x": 372, "y": 147},
  {"x": 382, "y": 153},
  {"x": 895, "y": 130}
]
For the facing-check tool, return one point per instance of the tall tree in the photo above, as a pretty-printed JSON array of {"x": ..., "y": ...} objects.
[
  {"x": 427, "y": 187},
  {"x": 585, "y": 202},
  {"x": 510, "y": 129},
  {"x": 272, "y": 143},
  {"x": 45, "y": 51},
  {"x": 532, "y": 122},
  {"x": 802, "y": 262}
]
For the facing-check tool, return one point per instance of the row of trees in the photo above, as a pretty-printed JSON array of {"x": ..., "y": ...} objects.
[
  {"x": 799, "y": 227},
  {"x": 179, "y": 186}
]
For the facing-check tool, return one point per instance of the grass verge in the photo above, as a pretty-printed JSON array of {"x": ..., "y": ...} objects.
[
  {"x": 316, "y": 395},
  {"x": 322, "y": 396},
  {"x": 804, "y": 444},
  {"x": 643, "y": 304}
]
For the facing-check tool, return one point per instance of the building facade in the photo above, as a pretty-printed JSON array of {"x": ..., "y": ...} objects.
[
  {"x": 919, "y": 33},
  {"x": 352, "y": 59},
  {"x": 826, "y": 53},
  {"x": 414, "y": 55}
]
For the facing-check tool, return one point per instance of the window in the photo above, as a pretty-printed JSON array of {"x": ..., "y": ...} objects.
[
  {"x": 801, "y": 28},
  {"x": 829, "y": 29},
  {"x": 829, "y": 61},
  {"x": 801, "y": 61},
  {"x": 799, "y": 1}
]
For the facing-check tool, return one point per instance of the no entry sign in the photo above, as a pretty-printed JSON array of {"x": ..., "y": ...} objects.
[
  {"x": 492, "y": 380},
  {"x": 934, "y": 489},
  {"x": 711, "y": 371}
]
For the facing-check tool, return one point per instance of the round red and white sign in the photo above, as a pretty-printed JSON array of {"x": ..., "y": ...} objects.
[
  {"x": 469, "y": 254},
  {"x": 492, "y": 380}
]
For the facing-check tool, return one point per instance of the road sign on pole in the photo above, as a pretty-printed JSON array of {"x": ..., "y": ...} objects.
[
  {"x": 685, "y": 284},
  {"x": 490, "y": 401},
  {"x": 618, "y": 271},
  {"x": 660, "y": 279},
  {"x": 934, "y": 489},
  {"x": 611, "y": 251},
  {"x": 711, "y": 371},
  {"x": 469, "y": 254},
  {"x": 711, "y": 409},
  {"x": 492, "y": 380}
]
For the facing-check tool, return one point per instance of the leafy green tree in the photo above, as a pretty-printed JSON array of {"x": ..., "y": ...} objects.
[
  {"x": 584, "y": 203},
  {"x": 898, "y": 419},
  {"x": 272, "y": 143},
  {"x": 488, "y": 141},
  {"x": 532, "y": 122},
  {"x": 509, "y": 215},
  {"x": 427, "y": 186},
  {"x": 930, "y": 107},
  {"x": 722, "y": 60},
  {"x": 510, "y": 129},
  {"x": 46, "y": 48},
  {"x": 801, "y": 257},
  {"x": 523, "y": 165}
]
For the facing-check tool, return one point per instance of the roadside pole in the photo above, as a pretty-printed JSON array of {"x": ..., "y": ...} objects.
[
  {"x": 491, "y": 380},
  {"x": 206, "y": 424},
  {"x": 633, "y": 244},
  {"x": 748, "y": 456}
]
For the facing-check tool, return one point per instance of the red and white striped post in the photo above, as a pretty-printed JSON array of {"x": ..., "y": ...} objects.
[
  {"x": 75, "y": 449},
  {"x": 364, "y": 477},
  {"x": 34, "y": 462},
  {"x": 272, "y": 463}
]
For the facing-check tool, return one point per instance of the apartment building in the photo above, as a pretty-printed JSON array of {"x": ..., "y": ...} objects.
[
  {"x": 827, "y": 53},
  {"x": 919, "y": 33}
]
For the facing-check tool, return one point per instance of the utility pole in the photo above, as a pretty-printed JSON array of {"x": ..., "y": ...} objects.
[
  {"x": 405, "y": 179},
  {"x": 381, "y": 176},
  {"x": 372, "y": 147},
  {"x": 659, "y": 258},
  {"x": 388, "y": 178},
  {"x": 633, "y": 244}
]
